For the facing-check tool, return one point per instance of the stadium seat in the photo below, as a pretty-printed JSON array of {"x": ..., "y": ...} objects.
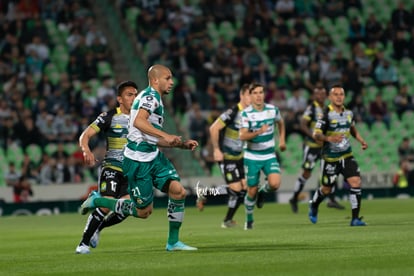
[
  {"x": 131, "y": 16},
  {"x": 50, "y": 148},
  {"x": 15, "y": 155},
  {"x": 34, "y": 152}
]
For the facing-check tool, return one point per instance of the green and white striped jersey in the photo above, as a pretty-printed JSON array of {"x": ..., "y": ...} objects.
[
  {"x": 262, "y": 147},
  {"x": 141, "y": 146}
]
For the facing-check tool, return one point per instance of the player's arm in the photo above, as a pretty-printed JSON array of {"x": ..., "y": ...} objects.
[
  {"x": 246, "y": 135},
  {"x": 320, "y": 130},
  {"x": 282, "y": 134},
  {"x": 142, "y": 123},
  {"x": 84, "y": 139},
  {"x": 304, "y": 126},
  {"x": 355, "y": 133},
  {"x": 215, "y": 137}
]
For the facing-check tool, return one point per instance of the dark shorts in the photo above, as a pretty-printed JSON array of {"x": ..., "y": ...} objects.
[
  {"x": 112, "y": 183},
  {"x": 310, "y": 157},
  {"x": 232, "y": 170},
  {"x": 348, "y": 167}
]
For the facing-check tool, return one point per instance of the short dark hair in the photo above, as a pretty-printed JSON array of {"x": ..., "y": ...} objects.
[
  {"x": 245, "y": 88},
  {"x": 121, "y": 86},
  {"x": 254, "y": 86}
]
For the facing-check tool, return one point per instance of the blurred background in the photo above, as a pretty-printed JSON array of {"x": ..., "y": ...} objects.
[{"x": 60, "y": 62}]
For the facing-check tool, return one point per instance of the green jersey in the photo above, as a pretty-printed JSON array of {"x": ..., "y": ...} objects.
[
  {"x": 141, "y": 146},
  {"x": 261, "y": 147}
]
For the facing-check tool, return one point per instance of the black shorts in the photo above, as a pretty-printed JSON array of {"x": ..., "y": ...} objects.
[
  {"x": 113, "y": 183},
  {"x": 232, "y": 170},
  {"x": 348, "y": 167},
  {"x": 310, "y": 157}
]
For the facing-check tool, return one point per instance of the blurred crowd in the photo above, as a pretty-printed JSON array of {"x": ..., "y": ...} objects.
[{"x": 213, "y": 46}]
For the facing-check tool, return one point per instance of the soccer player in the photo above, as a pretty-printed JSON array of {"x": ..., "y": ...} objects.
[
  {"x": 145, "y": 166},
  {"x": 228, "y": 152},
  {"x": 258, "y": 129},
  {"x": 112, "y": 183},
  {"x": 311, "y": 148},
  {"x": 334, "y": 130}
]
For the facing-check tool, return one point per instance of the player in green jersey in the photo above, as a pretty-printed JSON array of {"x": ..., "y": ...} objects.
[
  {"x": 259, "y": 121},
  {"x": 145, "y": 166}
]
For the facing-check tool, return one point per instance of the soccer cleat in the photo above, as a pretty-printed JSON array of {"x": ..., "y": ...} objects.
[
  {"x": 228, "y": 224},
  {"x": 293, "y": 205},
  {"x": 335, "y": 204},
  {"x": 260, "y": 200},
  {"x": 94, "y": 239},
  {"x": 313, "y": 213},
  {"x": 248, "y": 225},
  {"x": 179, "y": 246},
  {"x": 82, "y": 249},
  {"x": 357, "y": 222},
  {"x": 88, "y": 204}
]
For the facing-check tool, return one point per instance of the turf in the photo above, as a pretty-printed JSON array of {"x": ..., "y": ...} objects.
[{"x": 282, "y": 243}]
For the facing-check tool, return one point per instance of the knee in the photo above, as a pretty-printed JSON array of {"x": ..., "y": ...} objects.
[
  {"x": 177, "y": 191},
  {"x": 144, "y": 213},
  {"x": 274, "y": 185}
]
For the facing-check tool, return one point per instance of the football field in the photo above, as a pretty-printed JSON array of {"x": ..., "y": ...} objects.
[{"x": 282, "y": 243}]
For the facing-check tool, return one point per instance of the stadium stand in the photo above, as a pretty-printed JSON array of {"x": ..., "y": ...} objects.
[{"x": 213, "y": 59}]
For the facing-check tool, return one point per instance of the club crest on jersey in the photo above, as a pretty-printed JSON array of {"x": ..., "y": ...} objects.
[
  {"x": 139, "y": 201},
  {"x": 103, "y": 186}
]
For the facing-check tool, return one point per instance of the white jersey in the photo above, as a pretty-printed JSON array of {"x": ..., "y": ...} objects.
[
  {"x": 261, "y": 147},
  {"x": 141, "y": 146}
]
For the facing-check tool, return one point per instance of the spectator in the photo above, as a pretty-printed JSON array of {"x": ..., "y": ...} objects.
[
  {"x": 403, "y": 178},
  {"x": 379, "y": 112},
  {"x": 356, "y": 31},
  {"x": 12, "y": 176},
  {"x": 22, "y": 190},
  {"x": 373, "y": 29},
  {"x": 285, "y": 9},
  {"x": 361, "y": 112},
  {"x": 400, "y": 17},
  {"x": 405, "y": 150},
  {"x": 400, "y": 46},
  {"x": 198, "y": 126},
  {"x": 403, "y": 102},
  {"x": 386, "y": 74},
  {"x": 351, "y": 77}
]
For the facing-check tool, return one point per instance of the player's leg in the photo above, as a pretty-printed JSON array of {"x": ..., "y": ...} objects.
[
  {"x": 310, "y": 156},
  {"x": 329, "y": 172},
  {"x": 332, "y": 202},
  {"x": 96, "y": 218},
  {"x": 233, "y": 172},
  {"x": 253, "y": 177},
  {"x": 271, "y": 169},
  {"x": 352, "y": 176},
  {"x": 166, "y": 179},
  {"x": 121, "y": 183}
]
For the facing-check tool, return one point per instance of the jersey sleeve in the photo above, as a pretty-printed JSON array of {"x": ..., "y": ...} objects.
[
  {"x": 149, "y": 102},
  {"x": 322, "y": 123},
  {"x": 308, "y": 113},
  {"x": 245, "y": 120},
  {"x": 228, "y": 116},
  {"x": 102, "y": 122}
]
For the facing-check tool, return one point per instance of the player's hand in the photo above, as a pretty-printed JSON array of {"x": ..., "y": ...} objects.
[
  {"x": 264, "y": 128},
  {"x": 89, "y": 158},
  {"x": 218, "y": 155},
  {"x": 364, "y": 145},
  {"x": 173, "y": 140},
  {"x": 190, "y": 144},
  {"x": 282, "y": 146},
  {"x": 335, "y": 138}
]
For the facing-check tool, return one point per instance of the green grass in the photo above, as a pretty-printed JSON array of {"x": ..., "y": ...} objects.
[{"x": 282, "y": 243}]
